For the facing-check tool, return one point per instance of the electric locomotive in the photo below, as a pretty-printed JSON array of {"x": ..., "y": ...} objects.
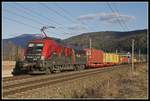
[{"x": 47, "y": 56}]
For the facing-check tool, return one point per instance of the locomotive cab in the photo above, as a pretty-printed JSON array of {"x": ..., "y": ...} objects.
[{"x": 36, "y": 54}]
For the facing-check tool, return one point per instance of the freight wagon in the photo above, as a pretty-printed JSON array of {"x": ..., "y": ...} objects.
[
  {"x": 111, "y": 58},
  {"x": 124, "y": 59},
  {"x": 95, "y": 58}
]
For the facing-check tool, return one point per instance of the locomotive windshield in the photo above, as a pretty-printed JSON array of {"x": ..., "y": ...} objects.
[
  {"x": 34, "y": 51},
  {"x": 39, "y": 47},
  {"x": 35, "y": 48}
]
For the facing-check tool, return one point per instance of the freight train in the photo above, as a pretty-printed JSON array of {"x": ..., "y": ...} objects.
[{"x": 44, "y": 56}]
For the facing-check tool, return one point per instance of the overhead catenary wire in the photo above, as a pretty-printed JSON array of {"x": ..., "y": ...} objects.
[
  {"x": 16, "y": 21},
  {"x": 117, "y": 16},
  {"x": 39, "y": 15},
  {"x": 120, "y": 16},
  {"x": 27, "y": 11},
  {"x": 20, "y": 22},
  {"x": 49, "y": 8},
  {"x": 24, "y": 16},
  {"x": 65, "y": 11},
  {"x": 68, "y": 13},
  {"x": 65, "y": 17},
  {"x": 42, "y": 16},
  {"x": 90, "y": 39}
]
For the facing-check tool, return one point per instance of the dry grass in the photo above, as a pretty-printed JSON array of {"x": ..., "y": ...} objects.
[
  {"x": 8, "y": 64},
  {"x": 120, "y": 85},
  {"x": 7, "y": 67}
]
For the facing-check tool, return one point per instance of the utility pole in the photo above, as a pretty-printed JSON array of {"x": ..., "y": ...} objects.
[
  {"x": 89, "y": 51},
  {"x": 90, "y": 43},
  {"x": 139, "y": 55},
  {"x": 90, "y": 46},
  {"x": 133, "y": 55},
  {"x": 116, "y": 51}
]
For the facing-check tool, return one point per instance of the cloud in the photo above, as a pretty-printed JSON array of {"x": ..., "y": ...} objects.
[
  {"x": 107, "y": 17},
  {"x": 115, "y": 17},
  {"x": 77, "y": 27},
  {"x": 87, "y": 17}
]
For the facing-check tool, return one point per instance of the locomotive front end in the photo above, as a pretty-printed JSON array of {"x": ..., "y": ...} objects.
[{"x": 33, "y": 59}]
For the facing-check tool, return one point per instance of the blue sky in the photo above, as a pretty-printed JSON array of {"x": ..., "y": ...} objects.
[{"x": 72, "y": 19}]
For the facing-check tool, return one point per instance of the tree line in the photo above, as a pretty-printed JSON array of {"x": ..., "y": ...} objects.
[{"x": 12, "y": 52}]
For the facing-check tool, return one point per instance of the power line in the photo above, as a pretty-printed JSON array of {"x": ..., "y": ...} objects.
[
  {"x": 29, "y": 10},
  {"x": 65, "y": 11},
  {"x": 77, "y": 20},
  {"x": 70, "y": 14},
  {"x": 40, "y": 15},
  {"x": 44, "y": 5},
  {"x": 117, "y": 16},
  {"x": 29, "y": 18},
  {"x": 65, "y": 17},
  {"x": 7, "y": 18},
  {"x": 25, "y": 10},
  {"x": 24, "y": 17},
  {"x": 90, "y": 43},
  {"x": 120, "y": 16},
  {"x": 20, "y": 22}
]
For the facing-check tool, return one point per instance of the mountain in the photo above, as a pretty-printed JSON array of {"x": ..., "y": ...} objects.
[
  {"x": 109, "y": 41},
  {"x": 13, "y": 48},
  {"x": 23, "y": 39}
]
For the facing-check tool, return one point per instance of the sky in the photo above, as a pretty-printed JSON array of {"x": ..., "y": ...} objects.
[{"x": 72, "y": 18}]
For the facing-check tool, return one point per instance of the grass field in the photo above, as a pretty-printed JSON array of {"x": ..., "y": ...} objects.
[
  {"x": 117, "y": 84},
  {"x": 120, "y": 84},
  {"x": 7, "y": 67}
]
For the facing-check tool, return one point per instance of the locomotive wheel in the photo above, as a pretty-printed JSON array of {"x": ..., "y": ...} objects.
[
  {"x": 80, "y": 67},
  {"x": 61, "y": 69},
  {"x": 17, "y": 70},
  {"x": 75, "y": 68},
  {"x": 51, "y": 69},
  {"x": 47, "y": 70}
]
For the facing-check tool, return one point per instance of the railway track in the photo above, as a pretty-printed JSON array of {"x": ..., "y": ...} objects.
[
  {"x": 6, "y": 79},
  {"x": 33, "y": 83}
]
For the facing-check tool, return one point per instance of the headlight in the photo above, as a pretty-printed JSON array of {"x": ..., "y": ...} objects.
[{"x": 42, "y": 57}]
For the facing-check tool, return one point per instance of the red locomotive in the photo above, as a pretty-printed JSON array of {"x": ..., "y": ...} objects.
[{"x": 47, "y": 56}]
